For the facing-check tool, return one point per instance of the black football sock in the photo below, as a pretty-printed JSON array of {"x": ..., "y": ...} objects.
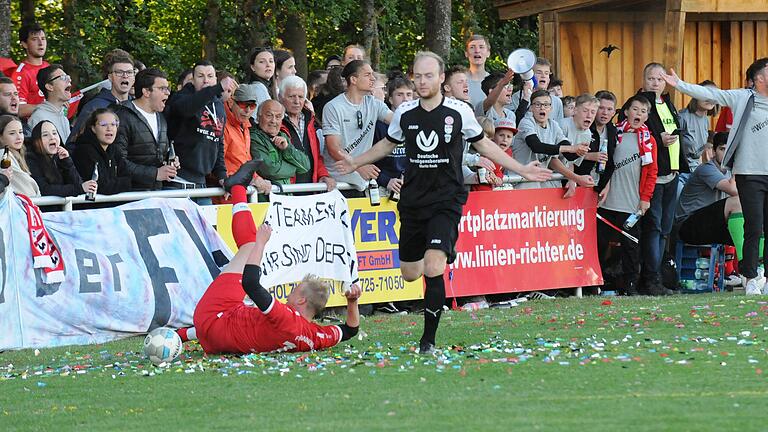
[{"x": 434, "y": 299}]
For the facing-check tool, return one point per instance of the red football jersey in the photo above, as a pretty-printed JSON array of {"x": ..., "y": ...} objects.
[
  {"x": 279, "y": 329},
  {"x": 25, "y": 78}
]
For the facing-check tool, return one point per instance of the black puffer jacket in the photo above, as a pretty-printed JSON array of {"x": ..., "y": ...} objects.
[
  {"x": 113, "y": 171},
  {"x": 56, "y": 177},
  {"x": 142, "y": 152}
]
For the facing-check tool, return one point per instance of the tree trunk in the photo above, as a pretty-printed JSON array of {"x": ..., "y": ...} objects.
[
  {"x": 28, "y": 11},
  {"x": 255, "y": 14},
  {"x": 468, "y": 21},
  {"x": 211, "y": 30},
  {"x": 69, "y": 60},
  {"x": 294, "y": 37},
  {"x": 437, "y": 30},
  {"x": 371, "y": 33},
  {"x": 5, "y": 28}
]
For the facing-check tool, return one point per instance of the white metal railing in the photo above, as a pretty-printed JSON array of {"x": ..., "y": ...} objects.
[{"x": 67, "y": 202}]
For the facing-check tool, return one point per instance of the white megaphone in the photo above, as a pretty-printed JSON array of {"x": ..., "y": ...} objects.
[{"x": 521, "y": 62}]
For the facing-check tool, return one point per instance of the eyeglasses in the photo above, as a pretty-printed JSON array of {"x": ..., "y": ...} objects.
[
  {"x": 163, "y": 89},
  {"x": 115, "y": 123},
  {"x": 359, "y": 120},
  {"x": 64, "y": 77},
  {"x": 124, "y": 73},
  {"x": 541, "y": 105},
  {"x": 246, "y": 105}
]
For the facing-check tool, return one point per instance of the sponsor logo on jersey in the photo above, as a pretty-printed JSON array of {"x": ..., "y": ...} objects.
[{"x": 427, "y": 144}]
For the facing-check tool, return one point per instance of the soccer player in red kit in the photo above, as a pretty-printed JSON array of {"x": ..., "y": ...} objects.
[{"x": 237, "y": 315}]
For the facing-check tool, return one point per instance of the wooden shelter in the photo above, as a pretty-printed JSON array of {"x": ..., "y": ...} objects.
[{"x": 701, "y": 39}]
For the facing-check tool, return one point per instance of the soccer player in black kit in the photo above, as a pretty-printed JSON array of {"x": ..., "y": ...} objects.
[{"x": 433, "y": 192}]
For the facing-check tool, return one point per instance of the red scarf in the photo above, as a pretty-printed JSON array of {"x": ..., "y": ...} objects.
[
  {"x": 45, "y": 254},
  {"x": 644, "y": 142}
]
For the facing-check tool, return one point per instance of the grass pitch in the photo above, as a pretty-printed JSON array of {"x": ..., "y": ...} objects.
[{"x": 694, "y": 362}]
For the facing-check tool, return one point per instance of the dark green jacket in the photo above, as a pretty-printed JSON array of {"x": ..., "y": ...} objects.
[{"x": 279, "y": 165}]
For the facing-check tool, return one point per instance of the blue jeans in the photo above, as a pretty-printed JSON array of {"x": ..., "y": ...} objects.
[{"x": 657, "y": 224}]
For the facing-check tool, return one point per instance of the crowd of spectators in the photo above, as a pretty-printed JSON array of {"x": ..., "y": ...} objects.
[{"x": 642, "y": 156}]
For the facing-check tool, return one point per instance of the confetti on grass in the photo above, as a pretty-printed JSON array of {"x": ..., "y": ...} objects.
[{"x": 692, "y": 337}]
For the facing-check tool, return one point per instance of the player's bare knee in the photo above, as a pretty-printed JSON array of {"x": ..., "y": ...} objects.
[
  {"x": 434, "y": 262},
  {"x": 411, "y": 271},
  {"x": 732, "y": 205}
]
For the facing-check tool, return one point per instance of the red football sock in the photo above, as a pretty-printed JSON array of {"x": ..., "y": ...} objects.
[
  {"x": 239, "y": 194},
  {"x": 243, "y": 227}
]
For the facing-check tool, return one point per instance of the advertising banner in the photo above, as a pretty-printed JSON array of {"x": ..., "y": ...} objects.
[{"x": 525, "y": 240}]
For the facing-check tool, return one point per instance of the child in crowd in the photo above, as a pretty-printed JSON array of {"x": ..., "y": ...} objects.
[
  {"x": 504, "y": 133},
  {"x": 541, "y": 138},
  {"x": 628, "y": 184},
  {"x": 569, "y": 105},
  {"x": 498, "y": 90}
]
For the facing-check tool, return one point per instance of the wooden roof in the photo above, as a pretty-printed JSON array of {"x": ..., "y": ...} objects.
[{"x": 511, "y": 9}]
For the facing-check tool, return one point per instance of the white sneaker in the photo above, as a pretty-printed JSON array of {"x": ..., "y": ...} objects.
[
  {"x": 733, "y": 280},
  {"x": 753, "y": 287}
]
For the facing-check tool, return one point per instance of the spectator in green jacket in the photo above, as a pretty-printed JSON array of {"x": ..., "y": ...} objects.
[{"x": 282, "y": 161}]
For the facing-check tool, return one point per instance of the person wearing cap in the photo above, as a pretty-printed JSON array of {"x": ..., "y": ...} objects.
[
  {"x": 237, "y": 133},
  {"x": 504, "y": 133}
]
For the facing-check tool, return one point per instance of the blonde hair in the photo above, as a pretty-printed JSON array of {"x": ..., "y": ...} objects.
[
  {"x": 316, "y": 291},
  {"x": 487, "y": 124}
]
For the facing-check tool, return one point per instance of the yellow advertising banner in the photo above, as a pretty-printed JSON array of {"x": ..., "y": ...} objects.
[{"x": 376, "y": 231}]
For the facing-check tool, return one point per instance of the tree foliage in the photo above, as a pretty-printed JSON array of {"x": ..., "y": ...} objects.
[{"x": 169, "y": 33}]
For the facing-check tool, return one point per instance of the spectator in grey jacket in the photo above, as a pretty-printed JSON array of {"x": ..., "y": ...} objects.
[
  {"x": 746, "y": 154},
  {"x": 695, "y": 121}
]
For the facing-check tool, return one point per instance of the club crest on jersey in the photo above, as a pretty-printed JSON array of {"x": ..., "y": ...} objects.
[{"x": 427, "y": 144}]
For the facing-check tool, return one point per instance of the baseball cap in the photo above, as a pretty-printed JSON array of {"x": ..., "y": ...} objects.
[
  {"x": 245, "y": 93},
  {"x": 506, "y": 124}
]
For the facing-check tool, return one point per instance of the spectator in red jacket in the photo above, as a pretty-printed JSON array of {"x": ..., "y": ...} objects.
[{"x": 300, "y": 125}]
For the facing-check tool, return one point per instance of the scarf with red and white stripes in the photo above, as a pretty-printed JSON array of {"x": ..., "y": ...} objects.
[
  {"x": 45, "y": 254},
  {"x": 644, "y": 142}
]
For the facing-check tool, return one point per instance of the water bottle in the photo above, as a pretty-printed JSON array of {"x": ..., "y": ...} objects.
[
  {"x": 395, "y": 196},
  {"x": 474, "y": 306},
  {"x": 91, "y": 196},
  {"x": 482, "y": 175},
  {"x": 6, "y": 162},
  {"x": 170, "y": 156},
  {"x": 373, "y": 192},
  {"x": 632, "y": 220},
  {"x": 603, "y": 149},
  {"x": 701, "y": 274},
  {"x": 702, "y": 263}
]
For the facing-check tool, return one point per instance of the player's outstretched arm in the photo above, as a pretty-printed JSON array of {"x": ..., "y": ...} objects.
[
  {"x": 252, "y": 271},
  {"x": 349, "y": 329},
  {"x": 532, "y": 171},
  {"x": 380, "y": 150}
]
